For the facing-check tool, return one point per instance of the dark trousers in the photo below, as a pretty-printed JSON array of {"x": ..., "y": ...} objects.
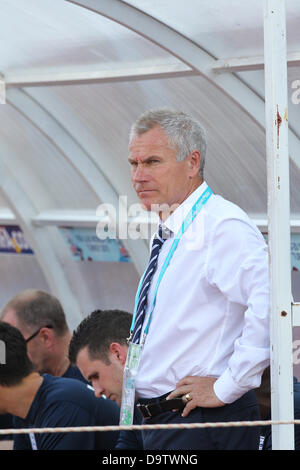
[{"x": 229, "y": 438}]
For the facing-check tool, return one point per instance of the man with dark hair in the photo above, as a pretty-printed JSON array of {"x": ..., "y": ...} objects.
[
  {"x": 41, "y": 319},
  {"x": 100, "y": 342},
  {"x": 17, "y": 364},
  {"x": 47, "y": 401},
  {"x": 99, "y": 348}
]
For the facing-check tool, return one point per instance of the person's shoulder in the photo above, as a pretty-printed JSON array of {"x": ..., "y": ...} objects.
[
  {"x": 73, "y": 390},
  {"x": 222, "y": 212},
  {"x": 53, "y": 381},
  {"x": 221, "y": 209},
  {"x": 105, "y": 406},
  {"x": 62, "y": 388},
  {"x": 73, "y": 372}
]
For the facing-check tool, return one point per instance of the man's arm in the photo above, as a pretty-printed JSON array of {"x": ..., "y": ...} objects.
[{"x": 237, "y": 264}]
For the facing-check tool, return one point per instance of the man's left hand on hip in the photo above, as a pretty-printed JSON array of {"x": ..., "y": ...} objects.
[{"x": 196, "y": 391}]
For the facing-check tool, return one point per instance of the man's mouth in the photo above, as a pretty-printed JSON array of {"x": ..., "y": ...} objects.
[{"x": 145, "y": 191}]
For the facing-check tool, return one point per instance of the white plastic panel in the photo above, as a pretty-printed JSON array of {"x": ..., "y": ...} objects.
[
  {"x": 39, "y": 166},
  {"x": 230, "y": 28},
  {"x": 19, "y": 272},
  {"x": 53, "y": 35}
]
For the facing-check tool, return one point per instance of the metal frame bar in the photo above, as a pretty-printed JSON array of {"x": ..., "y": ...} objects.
[
  {"x": 111, "y": 75},
  {"x": 242, "y": 64},
  {"x": 89, "y": 218},
  {"x": 7, "y": 217},
  {"x": 276, "y": 103}
]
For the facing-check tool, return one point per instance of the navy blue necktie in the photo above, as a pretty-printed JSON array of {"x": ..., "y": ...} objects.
[{"x": 158, "y": 241}]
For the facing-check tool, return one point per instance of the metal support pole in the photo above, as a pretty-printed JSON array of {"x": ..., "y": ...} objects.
[{"x": 276, "y": 105}]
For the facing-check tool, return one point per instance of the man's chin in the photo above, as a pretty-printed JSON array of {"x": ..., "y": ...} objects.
[
  {"x": 115, "y": 398},
  {"x": 148, "y": 199},
  {"x": 150, "y": 204},
  {"x": 146, "y": 206}
]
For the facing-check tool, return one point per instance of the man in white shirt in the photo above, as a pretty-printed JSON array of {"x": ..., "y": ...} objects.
[{"x": 207, "y": 336}]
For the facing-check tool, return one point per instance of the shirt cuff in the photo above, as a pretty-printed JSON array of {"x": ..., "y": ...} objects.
[{"x": 227, "y": 390}]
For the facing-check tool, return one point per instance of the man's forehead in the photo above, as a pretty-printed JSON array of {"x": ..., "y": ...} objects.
[
  {"x": 154, "y": 137},
  {"x": 143, "y": 150},
  {"x": 85, "y": 360},
  {"x": 83, "y": 354}
]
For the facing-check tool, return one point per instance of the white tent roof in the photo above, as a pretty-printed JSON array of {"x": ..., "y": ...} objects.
[{"x": 77, "y": 74}]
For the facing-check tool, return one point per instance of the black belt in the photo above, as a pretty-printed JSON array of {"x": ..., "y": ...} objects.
[{"x": 158, "y": 406}]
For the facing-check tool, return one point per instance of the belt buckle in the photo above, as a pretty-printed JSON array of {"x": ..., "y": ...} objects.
[{"x": 142, "y": 409}]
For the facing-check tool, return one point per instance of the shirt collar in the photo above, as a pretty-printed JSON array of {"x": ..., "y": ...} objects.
[{"x": 174, "y": 221}]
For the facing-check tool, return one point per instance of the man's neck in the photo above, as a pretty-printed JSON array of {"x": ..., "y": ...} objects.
[
  {"x": 60, "y": 367},
  {"x": 18, "y": 399},
  {"x": 165, "y": 214},
  {"x": 59, "y": 361}
]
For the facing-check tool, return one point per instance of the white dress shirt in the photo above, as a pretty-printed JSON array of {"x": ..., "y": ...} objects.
[{"x": 211, "y": 316}]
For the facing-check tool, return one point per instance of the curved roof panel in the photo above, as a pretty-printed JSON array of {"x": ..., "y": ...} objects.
[
  {"x": 78, "y": 73},
  {"x": 39, "y": 166},
  {"x": 40, "y": 39},
  {"x": 224, "y": 29}
]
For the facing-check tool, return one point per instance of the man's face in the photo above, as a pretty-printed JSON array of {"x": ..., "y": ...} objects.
[
  {"x": 35, "y": 349},
  {"x": 157, "y": 177},
  {"x": 106, "y": 379}
]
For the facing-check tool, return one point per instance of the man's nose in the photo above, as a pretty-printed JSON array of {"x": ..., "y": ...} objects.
[
  {"x": 139, "y": 174},
  {"x": 98, "y": 390}
]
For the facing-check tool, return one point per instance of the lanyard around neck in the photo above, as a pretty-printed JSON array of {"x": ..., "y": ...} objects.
[{"x": 185, "y": 224}]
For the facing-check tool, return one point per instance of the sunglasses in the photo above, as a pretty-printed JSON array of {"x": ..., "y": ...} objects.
[{"x": 37, "y": 332}]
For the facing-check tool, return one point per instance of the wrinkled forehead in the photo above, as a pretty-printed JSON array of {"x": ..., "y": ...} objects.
[
  {"x": 155, "y": 135},
  {"x": 151, "y": 143}
]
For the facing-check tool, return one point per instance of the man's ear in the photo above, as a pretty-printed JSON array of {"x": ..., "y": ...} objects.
[
  {"x": 47, "y": 336},
  {"x": 194, "y": 160},
  {"x": 119, "y": 351}
]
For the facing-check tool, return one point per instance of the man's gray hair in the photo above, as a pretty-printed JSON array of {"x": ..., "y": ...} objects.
[{"x": 184, "y": 132}]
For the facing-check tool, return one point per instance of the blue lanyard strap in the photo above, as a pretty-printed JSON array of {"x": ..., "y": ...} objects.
[{"x": 185, "y": 224}]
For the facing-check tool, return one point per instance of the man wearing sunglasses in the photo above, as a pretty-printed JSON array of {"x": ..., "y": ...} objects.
[{"x": 41, "y": 319}]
